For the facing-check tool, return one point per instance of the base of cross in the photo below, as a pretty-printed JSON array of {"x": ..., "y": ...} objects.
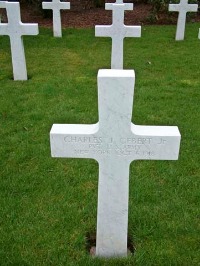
[
  {"x": 91, "y": 246},
  {"x": 93, "y": 252}
]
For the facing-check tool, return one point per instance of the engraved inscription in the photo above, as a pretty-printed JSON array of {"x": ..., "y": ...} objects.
[
  {"x": 84, "y": 145},
  {"x": 82, "y": 139}
]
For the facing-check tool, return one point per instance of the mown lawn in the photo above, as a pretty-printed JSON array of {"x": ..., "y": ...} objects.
[{"x": 48, "y": 205}]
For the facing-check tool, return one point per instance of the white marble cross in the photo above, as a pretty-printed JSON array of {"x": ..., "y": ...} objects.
[
  {"x": 114, "y": 142},
  {"x": 15, "y": 29},
  {"x": 183, "y": 7},
  {"x": 118, "y": 31},
  {"x": 56, "y": 6}
]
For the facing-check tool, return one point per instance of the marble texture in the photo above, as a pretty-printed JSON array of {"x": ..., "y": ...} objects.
[
  {"x": 3, "y": 4},
  {"x": 183, "y": 7},
  {"x": 56, "y": 6},
  {"x": 15, "y": 29},
  {"x": 114, "y": 142},
  {"x": 118, "y": 31}
]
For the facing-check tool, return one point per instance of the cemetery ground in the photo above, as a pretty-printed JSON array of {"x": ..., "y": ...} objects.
[{"x": 48, "y": 206}]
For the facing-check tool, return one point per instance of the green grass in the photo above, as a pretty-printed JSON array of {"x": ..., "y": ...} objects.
[{"x": 48, "y": 205}]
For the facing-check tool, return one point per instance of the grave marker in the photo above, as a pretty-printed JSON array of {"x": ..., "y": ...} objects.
[
  {"x": 56, "y": 6},
  {"x": 15, "y": 29},
  {"x": 118, "y": 31},
  {"x": 183, "y": 7},
  {"x": 114, "y": 142}
]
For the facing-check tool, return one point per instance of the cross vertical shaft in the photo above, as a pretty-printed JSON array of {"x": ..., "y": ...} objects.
[
  {"x": 180, "y": 31},
  {"x": 114, "y": 121},
  {"x": 112, "y": 214},
  {"x": 16, "y": 42},
  {"x": 113, "y": 189},
  {"x": 57, "y": 28},
  {"x": 18, "y": 58},
  {"x": 117, "y": 57}
]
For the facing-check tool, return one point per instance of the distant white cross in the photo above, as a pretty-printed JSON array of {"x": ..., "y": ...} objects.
[
  {"x": 15, "y": 29},
  {"x": 182, "y": 8},
  {"x": 118, "y": 31},
  {"x": 56, "y": 6},
  {"x": 114, "y": 142}
]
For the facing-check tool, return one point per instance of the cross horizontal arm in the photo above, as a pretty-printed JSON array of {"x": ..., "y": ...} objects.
[
  {"x": 65, "y": 5},
  {"x": 155, "y": 142},
  {"x": 192, "y": 8},
  {"x": 103, "y": 31},
  {"x": 145, "y": 142},
  {"x": 73, "y": 141},
  {"x": 29, "y": 28},
  {"x": 107, "y": 31},
  {"x": 187, "y": 8},
  {"x": 56, "y": 6},
  {"x": 47, "y": 5},
  {"x": 132, "y": 31},
  {"x": 124, "y": 6},
  {"x": 174, "y": 7}
]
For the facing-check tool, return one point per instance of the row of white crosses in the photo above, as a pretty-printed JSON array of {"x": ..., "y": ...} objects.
[
  {"x": 183, "y": 8},
  {"x": 114, "y": 141},
  {"x": 15, "y": 29}
]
